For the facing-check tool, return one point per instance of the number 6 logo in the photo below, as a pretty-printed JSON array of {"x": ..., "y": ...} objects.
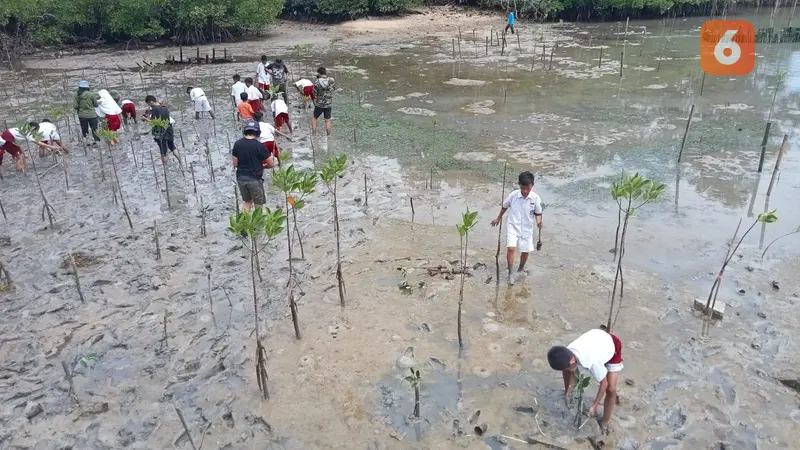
[{"x": 727, "y": 47}]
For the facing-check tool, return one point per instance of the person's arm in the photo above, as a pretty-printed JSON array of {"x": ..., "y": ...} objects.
[
  {"x": 94, "y": 101},
  {"x": 235, "y": 162},
  {"x": 537, "y": 212},
  {"x": 503, "y": 208},
  {"x": 600, "y": 392},
  {"x": 269, "y": 162},
  {"x": 281, "y": 134},
  {"x": 76, "y": 104}
]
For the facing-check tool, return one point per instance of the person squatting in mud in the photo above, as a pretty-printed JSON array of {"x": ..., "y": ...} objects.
[
  {"x": 599, "y": 352},
  {"x": 12, "y": 139},
  {"x": 524, "y": 210},
  {"x": 250, "y": 157},
  {"x": 164, "y": 137},
  {"x": 50, "y": 136},
  {"x": 127, "y": 106}
]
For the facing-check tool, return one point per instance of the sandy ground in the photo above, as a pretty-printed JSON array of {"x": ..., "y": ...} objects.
[{"x": 342, "y": 385}]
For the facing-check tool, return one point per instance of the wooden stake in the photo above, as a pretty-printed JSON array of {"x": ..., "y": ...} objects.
[
  {"x": 784, "y": 148},
  {"x": 202, "y": 218},
  {"x": 68, "y": 375},
  {"x": 366, "y": 193},
  {"x": 500, "y": 227},
  {"x": 180, "y": 415},
  {"x": 764, "y": 147},
  {"x": 685, "y": 132},
  {"x": 191, "y": 169},
  {"x": 77, "y": 277},
  {"x": 487, "y": 45},
  {"x": 166, "y": 186},
  {"x": 133, "y": 152},
  {"x": 600, "y": 63},
  {"x": 236, "y": 196},
  {"x": 621, "y": 58},
  {"x": 158, "y": 246},
  {"x": 702, "y": 84}
]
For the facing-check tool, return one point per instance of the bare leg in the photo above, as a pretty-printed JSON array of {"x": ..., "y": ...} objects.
[
  {"x": 289, "y": 124},
  {"x": 313, "y": 125},
  {"x": 523, "y": 258},
  {"x": 510, "y": 251},
  {"x": 197, "y": 115},
  {"x": 247, "y": 206},
  {"x": 610, "y": 401},
  {"x": 328, "y": 127},
  {"x": 211, "y": 113}
]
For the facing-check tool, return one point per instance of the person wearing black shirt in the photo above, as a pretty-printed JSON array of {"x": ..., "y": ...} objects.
[
  {"x": 164, "y": 137},
  {"x": 250, "y": 157}
]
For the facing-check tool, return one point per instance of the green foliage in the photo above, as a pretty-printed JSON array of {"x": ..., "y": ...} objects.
[
  {"x": 769, "y": 217},
  {"x": 334, "y": 167},
  {"x": 414, "y": 379},
  {"x": 635, "y": 188},
  {"x": 258, "y": 223},
  {"x": 108, "y": 135},
  {"x": 47, "y": 22},
  {"x": 160, "y": 124},
  {"x": 28, "y": 130},
  {"x": 581, "y": 383},
  {"x": 468, "y": 220}
]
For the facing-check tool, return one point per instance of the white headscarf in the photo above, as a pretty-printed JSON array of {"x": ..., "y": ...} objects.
[{"x": 106, "y": 105}]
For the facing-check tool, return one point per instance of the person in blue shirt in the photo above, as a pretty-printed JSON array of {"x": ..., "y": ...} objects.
[{"x": 510, "y": 22}]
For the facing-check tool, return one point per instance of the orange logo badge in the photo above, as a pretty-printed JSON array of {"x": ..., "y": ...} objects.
[{"x": 727, "y": 47}]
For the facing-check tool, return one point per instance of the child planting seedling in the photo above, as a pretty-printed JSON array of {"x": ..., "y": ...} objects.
[
  {"x": 163, "y": 133},
  {"x": 599, "y": 352},
  {"x": 306, "y": 90},
  {"x": 468, "y": 220},
  {"x": 631, "y": 194},
  {"x": 11, "y": 138},
  {"x": 258, "y": 228},
  {"x": 51, "y": 136},
  {"x": 524, "y": 210},
  {"x": 330, "y": 173}
]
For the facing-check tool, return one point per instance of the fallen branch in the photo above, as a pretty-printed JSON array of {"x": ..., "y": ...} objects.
[{"x": 185, "y": 427}]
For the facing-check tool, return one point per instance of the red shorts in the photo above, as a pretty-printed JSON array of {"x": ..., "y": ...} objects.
[
  {"x": 263, "y": 86},
  {"x": 9, "y": 146},
  {"x": 617, "y": 358},
  {"x": 113, "y": 122},
  {"x": 308, "y": 91},
  {"x": 256, "y": 104},
  {"x": 272, "y": 147},
  {"x": 280, "y": 119},
  {"x": 129, "y": 110}
]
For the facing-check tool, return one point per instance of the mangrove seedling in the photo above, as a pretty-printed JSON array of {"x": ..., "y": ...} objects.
[
  {"x": 286, "y": 179},
  {"x": 581, "y": 383},
  {"x": 112, "y": 137},
  {"x": 468, "y": 220},
  {"x": 405, "y": 286},
  {"x": 306, "y": 184},
  {"x": 162, "y": 124},
  {"x": 5, "y": 276},
  {"x": 414, "y": 380},
  {"x": 765, "y": 218},
  {"x": 27, "y": 130},
  {"x": 257, "y": 228},
  {"x": 630, "y": 194},
  {"x": 777, "y": 238},
  {"x": 331, "y": 171}
]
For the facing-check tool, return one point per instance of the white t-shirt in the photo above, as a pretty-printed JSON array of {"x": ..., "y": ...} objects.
[
  {"x": 522, "y": 211},
  {"x": 49, "y": 132},
  {"x": 279, "y": 107},
  {"x": 18, "y": 136},
  {"x": 263, "y": 76},
  {"x": 236, "y": 91},
  {"x": 593, "y": 350},
  {"x": 253, "y": 93},
  {"x": 267, "y": 132},
  {"x": 196, "y": 93},
  {"x": 303, "y": 83}
]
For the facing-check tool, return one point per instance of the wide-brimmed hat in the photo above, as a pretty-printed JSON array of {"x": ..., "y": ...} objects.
[{"x": 83, "y": 84}]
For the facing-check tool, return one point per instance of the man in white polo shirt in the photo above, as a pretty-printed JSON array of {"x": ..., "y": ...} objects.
[
  {"x": 524, "y": 210},
  {"x": 201, "y": 103},
  {"x": 599, "y": 352}
]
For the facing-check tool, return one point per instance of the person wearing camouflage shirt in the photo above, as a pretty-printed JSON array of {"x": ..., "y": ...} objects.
[{"x": 324, "y": 86}]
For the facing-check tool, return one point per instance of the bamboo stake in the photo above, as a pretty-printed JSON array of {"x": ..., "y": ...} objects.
[
  {"x": 500, "y": 227},
  {"x": 764, "y": 147},
  {"x": 185, "y": 427},
  {"x": 366, "y": 193},
  {"x": 685, "y": 132},
  {"x": 194, "y": 183},
  {"x": 784, "y": 148},
  {"x": 158, "y": 246}
]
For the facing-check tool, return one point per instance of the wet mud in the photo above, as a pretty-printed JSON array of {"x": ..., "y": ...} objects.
[{"x": 154, "y": 335}]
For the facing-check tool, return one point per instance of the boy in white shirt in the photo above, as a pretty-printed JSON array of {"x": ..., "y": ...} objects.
[
  {"x": 254, "y": 94},
  {"x": 262, "y": 74},
  {"x": 600, "y": 352},
  {"x": 280, "y": 112},
  {"x": 306, "y": 89},
  {"x": 524, "y": 210},
  {"x": 237, "y": 89},
  {"x": 268, "y": 133},
  {"x": 200, "y": 101},
  {"x": 50, "y": 136}
]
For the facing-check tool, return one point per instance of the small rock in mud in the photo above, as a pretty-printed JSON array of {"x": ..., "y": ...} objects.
[
  {"x": 491, "y": 327},
  {"x": 741, "y": 291},
  {"x": 425, "y": 327},
  {"x": 333, "y": 330},
  {"x": 32, "y": 409},
  {"x": 525, "y": 409},
  {"x": 406, "y": 362},
  {"x": 775, "y": 285},
  {"x": 629, "y": 382},
  {"x": 481, "y": 372}
]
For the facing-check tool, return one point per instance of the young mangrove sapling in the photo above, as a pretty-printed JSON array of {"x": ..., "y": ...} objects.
[
  {"x": 257, "y": 228},
  {"x": 765, "y": 218},
  {"x": 631, "y": 193},
  {"x": 330, "y": 173},
  {"x": 414, "y": 380},
  {"x": 306, "y": 184},
  {"x": 27, "y": 130},
  {"x": 468, "y": 220},
  {"x": 581, "y": 383}
]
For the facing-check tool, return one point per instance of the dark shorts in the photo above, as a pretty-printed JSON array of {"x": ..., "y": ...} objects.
[
  {"x": 164, "y": 145},
  {"x": 252, "y": 191},
  {"x": 320, "y": 111}
]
